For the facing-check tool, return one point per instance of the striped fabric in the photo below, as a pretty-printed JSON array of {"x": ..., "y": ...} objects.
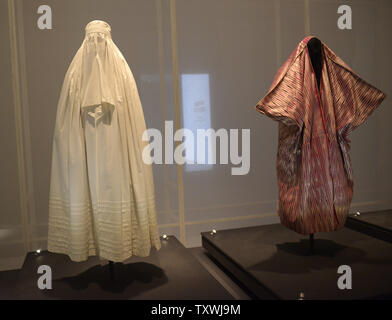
[{"x": 314, "y": 170}]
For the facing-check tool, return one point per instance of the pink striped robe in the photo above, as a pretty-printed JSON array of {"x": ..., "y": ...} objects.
[{"x": 314, "y": 170}]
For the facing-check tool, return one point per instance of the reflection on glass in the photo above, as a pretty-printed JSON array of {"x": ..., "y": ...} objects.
[{"x": 196, "y": 115}]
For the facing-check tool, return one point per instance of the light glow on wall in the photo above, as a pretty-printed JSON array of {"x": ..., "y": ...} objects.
[{"x": 196, "y": 110}]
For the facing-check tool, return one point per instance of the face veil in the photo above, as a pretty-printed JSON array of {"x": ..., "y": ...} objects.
[{"x": 315, "y": 178}]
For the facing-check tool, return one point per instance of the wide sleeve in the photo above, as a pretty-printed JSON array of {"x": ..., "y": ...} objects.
[
  {"x": 284, "y": 101},
  {"x": 354, "y": 98}
]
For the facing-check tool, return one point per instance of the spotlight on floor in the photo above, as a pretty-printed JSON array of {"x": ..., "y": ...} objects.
[{"x": 355, "y": 214}]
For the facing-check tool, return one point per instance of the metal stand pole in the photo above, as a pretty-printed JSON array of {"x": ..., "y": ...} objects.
[
  {"x": 311, "y": 243},
  {"x": 111, "y": 270}
]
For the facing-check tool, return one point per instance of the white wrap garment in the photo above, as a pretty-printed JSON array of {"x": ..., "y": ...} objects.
[{"x": 101, "y": 193}]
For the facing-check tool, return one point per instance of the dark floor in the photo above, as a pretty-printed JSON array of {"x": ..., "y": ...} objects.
[
  {"x": 280, "y": 260},
  {"x": 272, "y": 257},
  {"x": 381, "y": 218},
  {"x": 170, "y": 273},
  {"x": 226, "y": 281}
]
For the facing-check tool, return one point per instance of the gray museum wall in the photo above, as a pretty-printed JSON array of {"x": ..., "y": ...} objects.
[
  {"x": 238, "y": 47},
  {"x": 12, "y": 247}
]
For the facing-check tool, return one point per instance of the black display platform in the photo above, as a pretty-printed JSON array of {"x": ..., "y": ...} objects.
[
  {"x": 170, "y": 273},
  {"x": 376, "y": 224},
  {"x": 273, "y": 262}
]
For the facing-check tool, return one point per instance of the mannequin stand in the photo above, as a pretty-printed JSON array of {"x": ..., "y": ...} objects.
[
  {"x": 311, "y": 243},
  {"x": 111, "y": 270}
]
